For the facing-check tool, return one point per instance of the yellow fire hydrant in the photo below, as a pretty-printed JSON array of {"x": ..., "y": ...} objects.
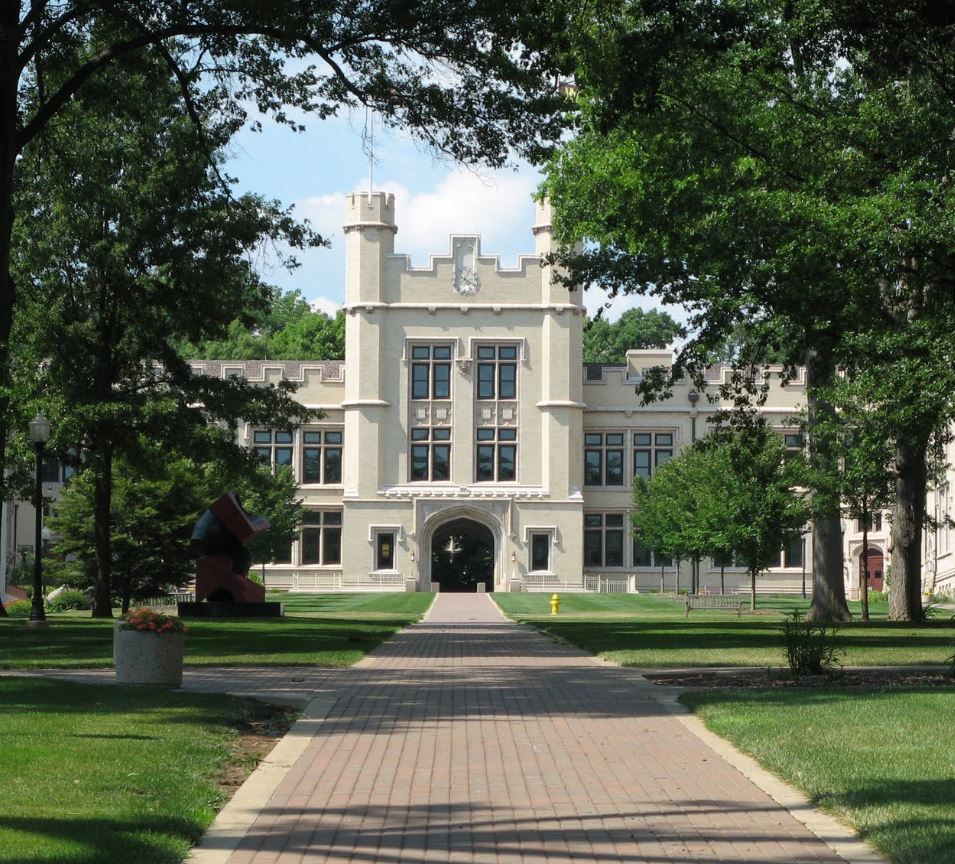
[{"x": 555, "y": 604}]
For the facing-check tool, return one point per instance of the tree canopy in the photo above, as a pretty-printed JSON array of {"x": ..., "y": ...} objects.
[
  {"x": 288, "y": 328},
  {"x": 608, "y": 341},
  {"x": 781, "y": 166},
  {"x": 131, "y": 246},
  {"x": 473, "y": 81},
  {"x": 734, "y": 492}
]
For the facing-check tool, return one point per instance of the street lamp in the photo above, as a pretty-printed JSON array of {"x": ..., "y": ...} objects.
[{"x": 39, "y": 435}]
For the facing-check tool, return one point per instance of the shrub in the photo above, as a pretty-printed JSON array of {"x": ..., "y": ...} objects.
[
  {"x": 810, "y": 645},
  {"x": 19, "y": 608},
  {"x": 68, "y": 600}
]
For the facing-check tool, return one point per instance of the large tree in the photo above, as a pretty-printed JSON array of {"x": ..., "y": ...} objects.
[
  {"x": 780, "y": 166},
  {"x": 472, "y": 80},
  {"x": 131, "y": 245},
  {"x": 287, "y": 329},
  {"x": 608, "y": 341}
]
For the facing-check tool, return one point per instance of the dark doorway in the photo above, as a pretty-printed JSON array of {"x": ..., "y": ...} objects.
[{"x": 462, "y": 556}]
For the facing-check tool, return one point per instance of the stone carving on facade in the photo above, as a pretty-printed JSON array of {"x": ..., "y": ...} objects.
[{"x": 464, "y": 252}]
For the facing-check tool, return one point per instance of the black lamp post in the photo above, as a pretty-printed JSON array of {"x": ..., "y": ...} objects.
[{"x": 39, "y": 435}]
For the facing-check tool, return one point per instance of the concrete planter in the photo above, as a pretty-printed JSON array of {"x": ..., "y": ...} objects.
[{"x": 148, "y": 658}]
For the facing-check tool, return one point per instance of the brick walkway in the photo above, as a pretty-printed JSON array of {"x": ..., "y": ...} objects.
[{"x": 470, "y": 739}]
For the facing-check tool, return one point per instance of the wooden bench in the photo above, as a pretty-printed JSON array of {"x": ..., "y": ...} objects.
[{"x": 711, "y": 601}]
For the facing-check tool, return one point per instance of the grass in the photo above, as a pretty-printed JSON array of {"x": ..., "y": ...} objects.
[
  {"x": 874, "y": 758},
  {"x": 320, "y": 630},
  {"x": 93, "y": 774},
  {"x": 649, "y": 630}
]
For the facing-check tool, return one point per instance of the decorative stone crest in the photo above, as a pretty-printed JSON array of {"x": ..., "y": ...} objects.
[{"x": 466, "y": 280}]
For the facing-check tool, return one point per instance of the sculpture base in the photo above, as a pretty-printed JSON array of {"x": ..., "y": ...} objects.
[{"x": 221, "y": 609}]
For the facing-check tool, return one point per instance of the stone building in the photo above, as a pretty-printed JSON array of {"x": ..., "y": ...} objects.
[{"x": 465, "y": 444}]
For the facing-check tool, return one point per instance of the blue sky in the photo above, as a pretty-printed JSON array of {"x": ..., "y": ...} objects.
[{"x": 315, "y": 169}]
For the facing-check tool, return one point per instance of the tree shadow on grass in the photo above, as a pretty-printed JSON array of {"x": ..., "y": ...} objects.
[
  {"x": 145, "y": 840},
  {"x": 913, "y": 820},
  {"x": 85, "y": 643},
  {"x": 745, "y": 634}
]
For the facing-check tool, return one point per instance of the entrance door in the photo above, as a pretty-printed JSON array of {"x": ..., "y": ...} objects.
[
  {"x": 462, "y": 556},
  {"x": 876, "y": 569}
]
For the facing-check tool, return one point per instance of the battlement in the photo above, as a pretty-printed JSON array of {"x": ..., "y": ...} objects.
[{"x": 376, "y": 210}]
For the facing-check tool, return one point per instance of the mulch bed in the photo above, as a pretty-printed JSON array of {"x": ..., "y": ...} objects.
[
  {"x": 783, "y": 678},
  {"x": 256, "y": 734}
]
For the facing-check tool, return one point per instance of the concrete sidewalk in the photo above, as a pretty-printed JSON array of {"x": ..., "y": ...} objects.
[{"x": 467, "y": 738}]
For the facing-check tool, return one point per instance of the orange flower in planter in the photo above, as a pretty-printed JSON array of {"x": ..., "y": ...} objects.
[{"x": 147, "y": 620}]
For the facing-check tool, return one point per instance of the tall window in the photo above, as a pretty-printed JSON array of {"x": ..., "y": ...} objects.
[
  {"x": 322, "y": 456},
  {"x": 385, "y": 550},
  {"x": 873, "y": 523},
  {"x": 430, "y": 371},
  {"x": 651, "y": 450},
  {"x": 540, "y": 551},
  {"x": 793, "y": 442},
  {"x": 496, "y": 454},
  {"x": 603, "y": 539},
  {"x": 497, "y": 372},
  {"x": 431, "y": 453},
  {"x": 273, "y": 447},
  {"x": 322, "y": 537},
  {"x": 603, "y": 459},
  {"x": 644, "y": 557}
]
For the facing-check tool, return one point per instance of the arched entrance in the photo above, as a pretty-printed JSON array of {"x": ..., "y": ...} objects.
[
  {"x": 876, "y": 568},
  {"x": 462, "y": 556}
]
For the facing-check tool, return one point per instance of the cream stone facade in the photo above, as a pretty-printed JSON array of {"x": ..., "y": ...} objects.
[
  {"x": 464, "y": 431},
  {"x": 423, "y": 433}
]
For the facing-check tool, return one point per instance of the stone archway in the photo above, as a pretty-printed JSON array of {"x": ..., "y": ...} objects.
[{"x": 462, "y": 556}]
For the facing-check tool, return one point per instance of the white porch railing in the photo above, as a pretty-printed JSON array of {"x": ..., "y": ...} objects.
[
  {"x": 319, "y": 582},
  {"x": 550, "y": 582},
  {"x": 607, "y": 584}
]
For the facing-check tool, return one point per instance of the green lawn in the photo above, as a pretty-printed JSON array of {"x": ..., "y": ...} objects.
[
  {"x": 93, "y": 774},
  {"x": 321, "y": 630},
  {"x": 651, "y": 631},
  {"x": 878, "y": 759}
]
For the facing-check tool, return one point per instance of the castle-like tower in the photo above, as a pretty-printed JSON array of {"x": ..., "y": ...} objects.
[{"x": 463, "y": 403}]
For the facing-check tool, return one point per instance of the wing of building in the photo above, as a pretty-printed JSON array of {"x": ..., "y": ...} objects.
[{"x": 465, "y": 445}]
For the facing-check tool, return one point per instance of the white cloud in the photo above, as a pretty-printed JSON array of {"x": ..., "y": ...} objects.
[
  {"x": 498, "y": 206},
  {"x": 596, "y": 298},
  {"x": 323, "y": 304}
]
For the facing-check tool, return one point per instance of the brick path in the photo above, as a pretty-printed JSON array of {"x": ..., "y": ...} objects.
[{"x": 470, "y": 739}]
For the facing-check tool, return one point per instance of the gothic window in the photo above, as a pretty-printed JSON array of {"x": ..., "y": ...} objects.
[
  {"x": 496, "y": 454},
  {"x": 430, "y": 453},
  {"x": 651, "y": 450},
  {"x": 274, "y": 447},
  {"x": 603, "y": 539},
  {"x": 603, "y": 459},
  {"x": 321, "y": 537},
  {"x": 322, "y": 456}
]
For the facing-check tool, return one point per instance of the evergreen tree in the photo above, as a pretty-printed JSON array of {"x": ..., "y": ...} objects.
[{"x": 131, "y": 247}]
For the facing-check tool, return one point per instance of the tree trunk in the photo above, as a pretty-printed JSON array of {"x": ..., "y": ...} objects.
[
  {"x": 905, "y": 587},
  {"x": 127, "y": 592},
  {"x": 752, "y": 590},
  {"x": 663, "y": 584},
  {"x": 102, "y": 507},
  {"x": 676, "y": 574},
  {"x": 722, "y": 578},
  {"x": 864, "y": 576},
  {"x": 9, "y": 78},
  {"x": 828, "y": 586}
]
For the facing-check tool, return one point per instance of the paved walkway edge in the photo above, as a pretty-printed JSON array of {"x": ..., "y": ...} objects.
[
  {"x": 225, "y": 833},
  {"x": 235, "y": 819},
  {"x": 838, "y": 837}
]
